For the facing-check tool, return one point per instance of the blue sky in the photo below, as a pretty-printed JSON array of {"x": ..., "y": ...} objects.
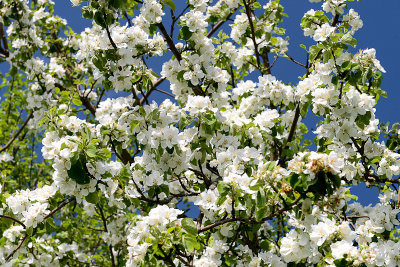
[{"x": 380, "y": 31}]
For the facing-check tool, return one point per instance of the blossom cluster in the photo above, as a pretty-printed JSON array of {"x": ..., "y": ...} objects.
[{"x": 223, "y": 174}]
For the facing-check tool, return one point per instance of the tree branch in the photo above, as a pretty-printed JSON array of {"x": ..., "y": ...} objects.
[
  {"x": 153, "y": 87},
  {"x": 4, "y": 39},
  {"x": 295, "y": 61},
  {"x": 106, "y": 230},
  {"x": 108, "y": 32},
  {"x": 169, "y": 41},
  {"x": 249, "y": 220},
  {"x": 14, "y": 219},
  {"x": 253, "y": 35},
  {"x": 30, "y": 116},
  {"x": 60, "y": 206},
  {"x": 16, "y": 249},
  {"x": 86, "y": 102},
  {"x": 164, "y": 92},
  {"x": 220, "y": 23}
]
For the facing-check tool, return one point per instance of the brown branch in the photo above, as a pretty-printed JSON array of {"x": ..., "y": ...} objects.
[
  {"x": 62, "y": 204},
  {"x": 86, "y": 102},
  {"x": 14, "y": 219},
  {"x": 220, "y": 23},
  {"x": 30, "y": 116},
  {"x": 295, "y": 61},
  {"x": 221, "y": 222},
  {"x": 106, "y": 230},
  {"x": 153, "y": 87},
  {"x": 158, "y": 201},
  {"x": 249, "y": 220},
  {"x": 127, "y": 18},
  {"x": 169, "y": 41},
  {"x": 108, "y": 32},
  {"x": 175, "y": 19},
  {"x": 335, "y": 20},
  {"x": 164, "y": 92},
  {"x": 294, "y": 124},
  {"x": 137, "y": 99},
  {"x": 16, "y": 249},
  {"x": 272, "y": 64},
  {"x": 253, "y": 35},
  {"x": 4, "y": 39},
  {"x": 100, "y": 97},
  {"x": 125, "y": 157},
  {"x": 291, "y": 134}
]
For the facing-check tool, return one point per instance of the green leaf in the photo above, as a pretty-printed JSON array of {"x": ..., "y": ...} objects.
[
  {"x": 91, "y": 151},
  {"x": 363, "y": 120},
  {"x": 116, "y": 3},
  {"x": 87, "y": 12},
  {"x": 171, "y": 229},
  {"x": 77, "y": 101},
  {"x": 307, "y": 142},
  {"x": 260, "y": 213},
  {"x": 189, "y": 226},
  {"x": 92, "y": 197},
  {"x": 335, "y": 179},
  {"x": 189, "y": 242},
  {"x": 50, "y": 226},
  {"x": 270, "y": 166},
  {"x": 294, "y": 179},
  {"x": 326, "y": 55},
  {"x": 134, "y": 124},
  {"x": 260, "y": 200},
  {"x": 304, "y": 110},
  {"x": 180, "y": 76},
  {"x": 223, "y": 188},
  {"x": 5, "y": 223},
  {"x": 256, "y": 5},
  {"x": 185, "y": 33},
  {"x": 314, "y": 51},
  {"x": 340, "y": 263},
  {"x": 170, "y": 3},
  {"x": 29, "y": 231},
  {"x": 78, "y": 172},
  {"x": 99, "y": 19},
  {"x": 104, "y": 153},
  {"x": 349, "y": 40},
  {"x": 63, "y": 145}
]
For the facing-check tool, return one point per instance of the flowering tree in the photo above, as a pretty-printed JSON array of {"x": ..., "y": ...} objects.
[{"x": 93, "y": 173}]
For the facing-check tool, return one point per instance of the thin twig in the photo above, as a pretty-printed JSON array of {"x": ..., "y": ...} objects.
[
  {"x": 253, "y": 34},
  {"x": 14, "y": 219},
  {"x": 108, "y": 33},
  {"x": 30, "y": 116},
  {"x": 164, "y": 92},
  {"x": 220, "y": 23},
  {"x": 128, "y": 19},
  {"x": 86, "y": 102},
  {"x": 62, "y": 204},
  {"x": 295, "y": 61},
  {"x": 16, "y": 249},
  {"x": 153, "y": 87},
  {"x": 106, "y": 230}
]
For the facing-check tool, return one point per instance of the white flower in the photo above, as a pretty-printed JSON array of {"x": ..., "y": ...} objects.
[
  {"x": 321, "y": 232},
  {"x": 75, "y": 2},
  {"x": 323, "y": 32},
  {"x": 340, "y": 248},
  {"x": 198, "y": 104},
  {"x": 5, "y": 157}
]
